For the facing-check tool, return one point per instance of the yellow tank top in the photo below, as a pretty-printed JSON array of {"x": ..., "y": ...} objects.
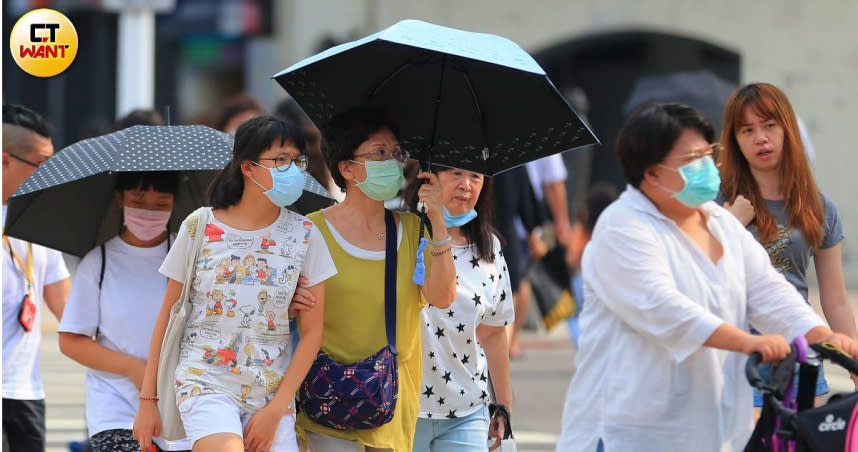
[{"x": 354, "y": 329}]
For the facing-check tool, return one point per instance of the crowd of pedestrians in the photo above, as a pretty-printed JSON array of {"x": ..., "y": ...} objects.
[{"x": 414, "y": 314}]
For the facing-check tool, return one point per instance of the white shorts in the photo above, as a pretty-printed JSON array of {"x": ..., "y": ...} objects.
[{"x": 209, "y": 414}]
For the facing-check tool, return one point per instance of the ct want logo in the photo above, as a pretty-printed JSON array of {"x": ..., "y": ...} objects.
[{"x": 43, "y": 42}]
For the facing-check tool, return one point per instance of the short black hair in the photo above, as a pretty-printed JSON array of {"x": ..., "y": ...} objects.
[
  {"x": 252, "y": 138},
  {"x": 345, "y": 132},
  {"x": 649, "y": 133},
  {"x": 21, "y": 116},
  {"x": 162, "y": 181}
]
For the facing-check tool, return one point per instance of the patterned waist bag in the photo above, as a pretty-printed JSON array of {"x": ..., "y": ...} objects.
[{"x": 361, "y": 395}]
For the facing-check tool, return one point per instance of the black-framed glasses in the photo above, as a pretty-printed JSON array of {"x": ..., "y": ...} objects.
[
  {"x": 284, "y": 160},
  {"x": 383, "y": 154},
  {"x": 22, "y": 159}
]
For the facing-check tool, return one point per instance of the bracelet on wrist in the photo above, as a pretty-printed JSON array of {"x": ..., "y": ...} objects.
[
  {"x": 152, "y": 398},
  {"x": 437, "y": 252},
  {"x": 436, "y": 244}
]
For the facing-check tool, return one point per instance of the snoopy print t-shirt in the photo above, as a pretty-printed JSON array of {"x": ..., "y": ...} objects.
[{"x": 237, "y": 338}]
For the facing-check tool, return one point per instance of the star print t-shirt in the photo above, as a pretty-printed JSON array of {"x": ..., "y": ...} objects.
[
  {"x": 237, "y": 339},
  {"x": 455, "y": 374}
]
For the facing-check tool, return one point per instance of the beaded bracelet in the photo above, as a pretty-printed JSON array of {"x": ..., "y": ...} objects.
[
  {"x": 440, "y": 243},
  {"x": 152, "y": 398},
  {"x": 437, "y": 253}
]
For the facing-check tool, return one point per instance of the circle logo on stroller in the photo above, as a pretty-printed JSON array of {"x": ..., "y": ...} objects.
[{"x": 831, "y": 425}]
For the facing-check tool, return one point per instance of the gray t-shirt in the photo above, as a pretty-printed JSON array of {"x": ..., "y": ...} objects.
[{"x": 789, "y": 251}]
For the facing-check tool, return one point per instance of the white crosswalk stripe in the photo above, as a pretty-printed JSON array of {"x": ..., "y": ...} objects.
[{"x": 64, "y": 396}]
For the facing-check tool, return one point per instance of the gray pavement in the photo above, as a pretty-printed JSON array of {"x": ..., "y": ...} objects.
[{"x": 540, "y": 379}]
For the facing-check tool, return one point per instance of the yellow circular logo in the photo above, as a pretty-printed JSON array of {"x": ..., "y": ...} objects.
[{"x": 43, "y": 42}]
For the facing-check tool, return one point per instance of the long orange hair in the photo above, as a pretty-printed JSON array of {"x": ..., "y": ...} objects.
[{"x": 803, "y": 202}]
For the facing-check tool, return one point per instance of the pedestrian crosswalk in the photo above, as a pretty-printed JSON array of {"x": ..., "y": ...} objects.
[{"x": 64, "y": 396}]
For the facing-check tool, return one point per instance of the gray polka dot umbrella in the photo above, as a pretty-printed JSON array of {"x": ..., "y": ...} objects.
[{"x": 68, "y": 203}]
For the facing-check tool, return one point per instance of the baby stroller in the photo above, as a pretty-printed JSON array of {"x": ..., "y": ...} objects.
[{"x": 789, "y": 422}]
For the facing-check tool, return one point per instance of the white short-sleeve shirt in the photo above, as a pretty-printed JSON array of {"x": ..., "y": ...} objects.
[
  {"x": 547, "y": 170},
  {"x": 21, "y": 350},
  {"x": 237, "y": 338},
  {"x": 122, "y": 316},
  {"x": 455, "y": 374}
]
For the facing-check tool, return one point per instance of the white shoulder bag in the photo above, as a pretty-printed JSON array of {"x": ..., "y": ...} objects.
[{"x": 171, "y": 420}]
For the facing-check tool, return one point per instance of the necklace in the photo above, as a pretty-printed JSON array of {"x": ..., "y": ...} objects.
[{"x": 380, "y": 236}]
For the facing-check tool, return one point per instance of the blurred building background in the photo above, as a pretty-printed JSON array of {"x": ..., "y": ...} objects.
[{"x": 594, "y": 50}]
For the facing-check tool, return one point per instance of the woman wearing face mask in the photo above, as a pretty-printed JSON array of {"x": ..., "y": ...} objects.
[
  {"x": 365, "y": 159},
  {"x": 672, "y": 283},
  {"x": 766, "y": 178},
  {"x": 463, "y": 343},
  {"x": 109, "y": 316},
  {"x": 236, "y": 375}
]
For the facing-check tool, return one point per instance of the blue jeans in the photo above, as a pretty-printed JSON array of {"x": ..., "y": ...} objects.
[{"x": 469, "y": 433}]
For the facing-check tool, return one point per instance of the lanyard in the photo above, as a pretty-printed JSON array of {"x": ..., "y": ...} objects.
[{"x": 28, "y": 269}]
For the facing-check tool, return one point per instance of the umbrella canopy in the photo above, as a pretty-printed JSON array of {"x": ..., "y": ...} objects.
[
  {"x": 702, "y": 90},
  {"x": 69, "y": 204},
  {"x": 466, "y": 100}
]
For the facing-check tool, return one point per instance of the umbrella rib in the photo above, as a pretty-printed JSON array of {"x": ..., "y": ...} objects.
[
  {"x": 388, "y": 78},
  {"x": 486, "y": 142},
  {"x": 438, "y": 99}
]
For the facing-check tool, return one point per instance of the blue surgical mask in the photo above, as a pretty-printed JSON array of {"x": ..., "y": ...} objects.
[
  {"x": 288, "y": 185},
  {"x": 702, "y": 182},
  {"x": 454, "y": 221}
]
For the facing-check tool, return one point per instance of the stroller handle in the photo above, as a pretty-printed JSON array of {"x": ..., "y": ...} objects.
[
  {"x": 825, "y": 350},
  {"x": 836, "y": 355},
  {"x": 751, "y": 371}
]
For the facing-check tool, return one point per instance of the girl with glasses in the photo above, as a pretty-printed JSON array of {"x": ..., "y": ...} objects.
[{"x": 237, "y": 375}]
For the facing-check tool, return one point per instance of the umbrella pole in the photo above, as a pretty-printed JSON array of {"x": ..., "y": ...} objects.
[
  {"x": 419, "y": 276},
  {"x": 427, "y": 157}
]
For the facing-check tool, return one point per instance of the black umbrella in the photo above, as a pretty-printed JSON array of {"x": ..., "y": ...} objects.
[
  {"x": 68, "y": 203},
  {"x": 702, "y": 90},
  {"x": 466, "y": 100}
]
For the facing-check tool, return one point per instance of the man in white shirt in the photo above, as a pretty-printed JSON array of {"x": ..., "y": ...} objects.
[
  {"x": 31, "y": 274},
  {"x": 548, "y": 181}
]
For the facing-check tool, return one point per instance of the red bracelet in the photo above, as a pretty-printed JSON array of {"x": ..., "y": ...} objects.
[{"x": 153, "y": 398}]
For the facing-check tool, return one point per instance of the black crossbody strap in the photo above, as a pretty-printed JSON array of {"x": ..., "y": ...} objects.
[
  {"x": 390, "y": 255},
  {"x": 103, "y": 264}
]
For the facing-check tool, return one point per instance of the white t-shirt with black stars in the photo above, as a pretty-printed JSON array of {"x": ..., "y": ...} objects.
[{"x": 455, "y": 374}]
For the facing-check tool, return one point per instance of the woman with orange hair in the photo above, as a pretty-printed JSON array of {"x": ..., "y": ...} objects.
[{"x": 768, "y": 185}]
